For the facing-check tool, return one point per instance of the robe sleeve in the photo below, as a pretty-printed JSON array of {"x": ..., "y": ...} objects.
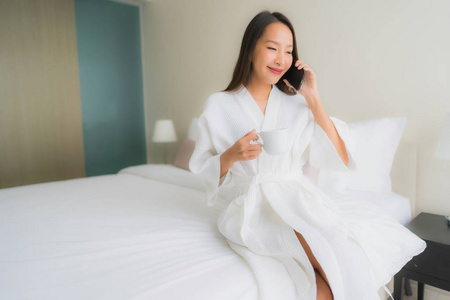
[
  {"x": 321, "y": 152},
  {"x": 205, "y": 161}
]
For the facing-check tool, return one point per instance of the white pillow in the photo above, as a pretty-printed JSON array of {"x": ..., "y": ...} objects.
[{"x": 376, "y": 143}]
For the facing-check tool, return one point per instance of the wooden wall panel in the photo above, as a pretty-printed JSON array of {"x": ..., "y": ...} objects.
[{"x": 40, "y": 109}]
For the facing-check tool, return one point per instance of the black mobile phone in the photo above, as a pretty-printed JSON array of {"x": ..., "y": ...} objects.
[{"x": 294, "y": 76}]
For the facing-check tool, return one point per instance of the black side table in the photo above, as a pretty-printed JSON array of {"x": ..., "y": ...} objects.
[{"x": 432, "y": 266}]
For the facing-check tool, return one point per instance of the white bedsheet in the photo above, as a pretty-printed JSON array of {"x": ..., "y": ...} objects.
[
  {"x": 145, "y": 233},
  {"x": 115, "y": 237}
]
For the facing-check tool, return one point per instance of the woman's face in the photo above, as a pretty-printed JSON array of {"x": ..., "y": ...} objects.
[{"x": 272, "y": 55}]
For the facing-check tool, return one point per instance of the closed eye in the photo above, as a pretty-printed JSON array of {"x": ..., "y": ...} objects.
[{"x": 271, "y": 48}]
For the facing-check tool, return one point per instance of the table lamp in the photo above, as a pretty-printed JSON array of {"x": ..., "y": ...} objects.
[
  {"x": 164, "y": 133},
  {"x": 443, "y": 146}
]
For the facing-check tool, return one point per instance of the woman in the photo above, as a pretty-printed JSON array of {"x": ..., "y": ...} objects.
[{"x": 289, "y": 232}]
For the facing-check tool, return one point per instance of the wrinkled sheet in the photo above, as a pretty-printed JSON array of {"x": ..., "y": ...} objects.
[{"x": 115, "y": 237}]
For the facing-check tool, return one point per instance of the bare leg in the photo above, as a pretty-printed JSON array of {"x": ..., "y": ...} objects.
[
  {"x": 311, "y": 256},
  {"x": 323, "y": 289}
]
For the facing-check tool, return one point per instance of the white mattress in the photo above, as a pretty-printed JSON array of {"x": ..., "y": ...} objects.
[
  {"x": 115, "y": 237},
  {"x": 145, "y": 233}
]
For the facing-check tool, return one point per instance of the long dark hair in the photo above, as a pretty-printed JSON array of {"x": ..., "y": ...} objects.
[{"x": 254, "y": 31}]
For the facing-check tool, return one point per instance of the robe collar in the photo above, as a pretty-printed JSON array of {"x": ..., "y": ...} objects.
[{"x": 251, "y": 108}]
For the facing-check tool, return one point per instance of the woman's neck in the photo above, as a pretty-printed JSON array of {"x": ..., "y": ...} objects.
[{"x": 259, "y": 91}]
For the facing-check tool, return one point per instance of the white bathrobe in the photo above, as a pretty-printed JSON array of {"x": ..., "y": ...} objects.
[{"x": 264, "y": 200}]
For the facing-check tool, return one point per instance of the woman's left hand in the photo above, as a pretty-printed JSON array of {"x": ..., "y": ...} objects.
[{"x": 309, "y": 83}]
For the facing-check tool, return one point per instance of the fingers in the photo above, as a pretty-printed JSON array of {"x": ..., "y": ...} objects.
[
  {"x": 246, "y": 146},
  {"x": 246, "y": 150},
  {"x": 248, "y": 136},
  {"x": 300, "y": 64},
  {"x": 291, "y": 88},
  {"x": 252, "y": 154},
  {"x": 244, "y": 142},
  {"x": 251, "y": 135},
  {"x": 251, "y": 131},
  {"x": 287, "y": 83},
  {"x": 255, "y": 147},
  {"x": 249, "y": 151}
]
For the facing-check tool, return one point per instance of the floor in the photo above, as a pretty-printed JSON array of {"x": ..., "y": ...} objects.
[{"x": 431, "y": 293}]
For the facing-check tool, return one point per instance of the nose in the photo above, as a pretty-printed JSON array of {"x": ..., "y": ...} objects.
[{"x": 279, "y": 59}]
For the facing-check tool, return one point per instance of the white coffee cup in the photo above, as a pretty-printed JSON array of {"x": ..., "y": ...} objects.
[{"x": 274, "y": 142}]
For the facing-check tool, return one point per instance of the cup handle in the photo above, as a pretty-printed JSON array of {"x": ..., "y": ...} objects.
[{"x": 258, "y": 140}]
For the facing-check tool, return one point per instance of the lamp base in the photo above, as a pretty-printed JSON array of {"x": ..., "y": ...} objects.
[{"x": 165, "y": 153}]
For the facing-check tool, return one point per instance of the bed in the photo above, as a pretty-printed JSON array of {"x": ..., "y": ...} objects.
[{"x": 146, "y": 233}]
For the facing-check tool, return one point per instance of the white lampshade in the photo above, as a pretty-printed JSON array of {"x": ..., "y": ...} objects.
[
  {"x": 443, "y": 146},
  {"x": 164, "y": 132}
]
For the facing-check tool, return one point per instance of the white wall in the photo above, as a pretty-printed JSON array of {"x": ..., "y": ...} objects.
[{"x": 373, "y": 59}]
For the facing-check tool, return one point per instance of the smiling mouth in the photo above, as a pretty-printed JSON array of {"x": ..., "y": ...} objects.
[{"x": 276, "y": 71}]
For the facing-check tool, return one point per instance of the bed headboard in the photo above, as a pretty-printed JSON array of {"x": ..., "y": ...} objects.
[{"x": 404, "y": 171}]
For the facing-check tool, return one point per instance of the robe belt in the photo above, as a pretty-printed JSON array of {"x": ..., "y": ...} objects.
[
  {"x": 245, "y": 181},
  {"x": 250, "y": 183}
]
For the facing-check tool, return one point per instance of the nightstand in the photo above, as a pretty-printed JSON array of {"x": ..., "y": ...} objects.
[{"x": 432, "y": 266}]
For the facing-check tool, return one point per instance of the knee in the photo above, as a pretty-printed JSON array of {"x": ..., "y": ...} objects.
[{"x": 323, "y": 289}]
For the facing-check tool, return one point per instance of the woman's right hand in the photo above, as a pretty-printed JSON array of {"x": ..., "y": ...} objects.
[{"x": 241, "y": 150}]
